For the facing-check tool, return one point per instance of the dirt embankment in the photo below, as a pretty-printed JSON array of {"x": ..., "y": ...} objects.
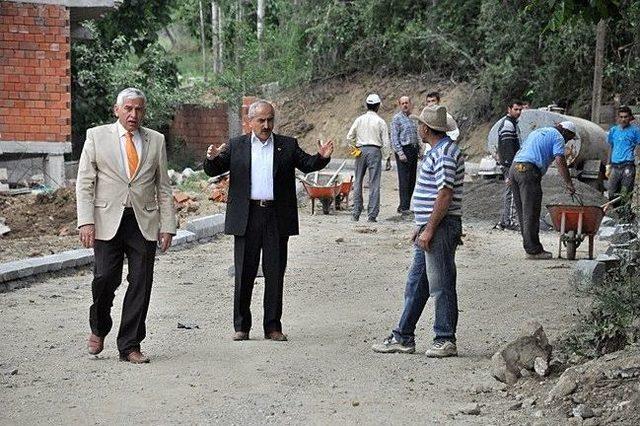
[{"x": 326, "y": 110}]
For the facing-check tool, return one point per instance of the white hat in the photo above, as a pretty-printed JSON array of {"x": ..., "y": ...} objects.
[
  {"x": 373, "y": 99},
  {"x": 568, "y": 125},
  {"x": 437, "y": 118}
]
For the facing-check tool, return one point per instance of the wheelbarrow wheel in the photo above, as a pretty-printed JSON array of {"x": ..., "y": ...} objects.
[
  {"x": 571, "y": 244},
  {"x": 326, "y": 204}
]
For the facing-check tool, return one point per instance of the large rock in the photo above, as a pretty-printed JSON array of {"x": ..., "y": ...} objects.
[{"x": 521, "y": 354}]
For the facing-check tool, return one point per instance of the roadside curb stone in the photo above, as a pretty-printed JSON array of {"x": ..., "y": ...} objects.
[
  {"x": 207, "y": 226},
  {"x": 588, "y": 273},
  {"x": 201, "y": 230}
]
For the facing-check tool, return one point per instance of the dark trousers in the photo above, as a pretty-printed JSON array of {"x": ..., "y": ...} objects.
[
  {"x": 407, "y": 175},
  {"x": 107, "y": 277},
  {"x": 621, "y": 181},
  {"x": 527, "y": 195},
  {"x": 508, "y": 216},
  {"x": 261, "y": 236}
]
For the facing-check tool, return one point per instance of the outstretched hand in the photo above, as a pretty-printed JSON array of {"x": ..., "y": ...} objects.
[
  {"x": 325, "y": 149},
  {"x": 213, "y": 152}
]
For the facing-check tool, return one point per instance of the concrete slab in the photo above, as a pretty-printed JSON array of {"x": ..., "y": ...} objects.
[
  {"x": 15, "y": 270},
  {"x": 587, "y": 273},
  {"x": 182, "y": 237},
  {"x": 207, "y": 226}
]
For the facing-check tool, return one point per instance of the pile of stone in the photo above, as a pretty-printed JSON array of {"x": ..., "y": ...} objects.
[
  {"x": 219, "y": 189},
  {"x": 624, "y": 246},
  {"x": 529, "y": 354}
]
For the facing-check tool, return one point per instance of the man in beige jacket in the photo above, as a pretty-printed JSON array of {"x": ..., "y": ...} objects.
[{"x": 125, "y": 207}]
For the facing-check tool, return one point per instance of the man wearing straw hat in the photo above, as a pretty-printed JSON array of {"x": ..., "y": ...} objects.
[{"x": 437, "y": 201}]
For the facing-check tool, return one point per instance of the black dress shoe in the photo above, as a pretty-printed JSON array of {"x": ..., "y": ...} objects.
[
  {"x": 276, "y": 336},
  {"x": 241, "y": 335}
]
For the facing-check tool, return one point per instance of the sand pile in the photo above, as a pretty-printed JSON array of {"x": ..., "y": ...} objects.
[{"x": 483, "y": 198}]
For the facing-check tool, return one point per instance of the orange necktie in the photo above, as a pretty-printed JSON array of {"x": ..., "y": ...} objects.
[{"x": 132, "y": 154}]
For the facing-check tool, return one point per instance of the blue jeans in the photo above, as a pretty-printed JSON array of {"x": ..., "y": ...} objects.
[{"x": 433, "y": 273}]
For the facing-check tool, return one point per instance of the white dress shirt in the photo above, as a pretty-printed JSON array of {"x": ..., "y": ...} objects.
[
  {"x": 261, "y": 168},
  {"x": 137, "y": 142}
]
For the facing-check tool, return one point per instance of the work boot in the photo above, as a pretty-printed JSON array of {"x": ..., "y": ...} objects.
[{"x": 355, "y": 218}]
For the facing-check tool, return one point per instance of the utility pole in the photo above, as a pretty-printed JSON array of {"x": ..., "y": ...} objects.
[
  {"x": 215, "y": 39},
  {"x": 202, "y": 42},
  {"x": 260, "y": 29},
  {"x": 596, "y": 99}
]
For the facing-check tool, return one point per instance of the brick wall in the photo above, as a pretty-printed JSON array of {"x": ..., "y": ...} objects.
[
  {"x": 35, "y": 75},
  {"x": 200, "y": 126}
]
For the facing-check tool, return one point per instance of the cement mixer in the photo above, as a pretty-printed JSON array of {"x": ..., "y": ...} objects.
[{"x": 586, "y": 154}]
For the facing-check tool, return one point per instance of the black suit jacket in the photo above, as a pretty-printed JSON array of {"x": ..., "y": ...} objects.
[{"x": 287, "y": 156}]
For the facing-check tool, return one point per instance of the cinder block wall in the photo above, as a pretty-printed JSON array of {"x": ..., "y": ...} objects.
[
  {"x": 35, "y": 75},
  {"x": 200, "y": 126}
]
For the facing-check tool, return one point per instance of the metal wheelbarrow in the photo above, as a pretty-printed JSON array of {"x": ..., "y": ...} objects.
[{"x": 575, "y": 223}]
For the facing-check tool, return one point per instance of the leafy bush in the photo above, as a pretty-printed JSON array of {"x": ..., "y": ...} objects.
[{"x": 614, "y": 317}]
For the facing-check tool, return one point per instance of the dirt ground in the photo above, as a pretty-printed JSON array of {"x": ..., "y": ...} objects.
[{"x": 343, "y": 292}]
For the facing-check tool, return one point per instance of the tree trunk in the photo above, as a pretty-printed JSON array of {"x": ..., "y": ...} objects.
[
  {"x": 596, "y": 99},
  {"x": 215, "y": 39},
  {"x": 220, "y": 40},
  {"x": 239, "y": 41},
  {"x": 260, "y": 29},
  {"x": 202, "y": 42}
]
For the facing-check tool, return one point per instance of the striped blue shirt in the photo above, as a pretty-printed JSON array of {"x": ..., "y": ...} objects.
[
  {"x": 403, "y": 132},
  {"x": 443, "y": 167}
]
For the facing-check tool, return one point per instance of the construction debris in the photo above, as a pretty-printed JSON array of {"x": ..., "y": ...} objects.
[{"x": 220, "y": 190}]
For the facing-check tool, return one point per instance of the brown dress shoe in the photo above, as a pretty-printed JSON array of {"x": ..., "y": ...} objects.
[
  {"x": 95, "y": 344},
  {"x": 276, "y": 336},
  {"x": 135, "y": 357},
  {"x": 241, "y": 335}
]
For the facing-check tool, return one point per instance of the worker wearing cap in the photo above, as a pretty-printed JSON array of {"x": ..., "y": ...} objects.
[
  {"x": 538, "y": 151},
  {"x": 370, "y": 134}
]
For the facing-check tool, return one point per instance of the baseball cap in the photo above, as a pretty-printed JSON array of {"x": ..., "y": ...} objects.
[
  {"x": 373, "y": 99},
  {"x": 568, "y": 125}
]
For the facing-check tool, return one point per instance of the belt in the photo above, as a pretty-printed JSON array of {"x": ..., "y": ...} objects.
[
  {"x": 523, "y": 167},
  {"x": 262, "y": 203},
  {"x": 623, "y": 164}
]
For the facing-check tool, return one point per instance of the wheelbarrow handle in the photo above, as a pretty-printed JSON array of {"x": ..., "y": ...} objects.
[{"x": 610, "y": 202}]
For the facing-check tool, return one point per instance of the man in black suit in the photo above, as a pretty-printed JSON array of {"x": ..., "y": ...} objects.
[{"x": 262, "y": 210}]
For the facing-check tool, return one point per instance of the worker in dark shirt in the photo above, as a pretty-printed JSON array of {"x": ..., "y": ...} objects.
[{"x": 508, "y": 145}]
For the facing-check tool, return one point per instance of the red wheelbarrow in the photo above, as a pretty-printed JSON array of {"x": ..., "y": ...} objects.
[
  {"x": 326, "y": 195},
  {"x": 575, "y": 222}
]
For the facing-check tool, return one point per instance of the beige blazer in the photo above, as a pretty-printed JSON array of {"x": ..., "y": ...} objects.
[{"x": 103, "y": 188}]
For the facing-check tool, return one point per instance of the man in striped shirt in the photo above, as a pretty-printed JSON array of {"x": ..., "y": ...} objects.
[
  {"x": 437, "y": 201},
  {"x": 404, "y": 141},
  {"x": 508, "y": 145}
]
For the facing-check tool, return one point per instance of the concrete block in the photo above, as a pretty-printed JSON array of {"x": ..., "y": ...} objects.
[
  {"x": 605, "y": 233},
  {"x": 83, "y": 256},
  {"x": 607, "y": 221},
  {"x": 207, "y": 226},
  {"x": 4, "y": 187},
  {"x": 15, "y": 270},
  {"x": 182, "y": 237},
  {"x": 623, "y": 237},
  {"x": 4, "y": 175},
  {"x": 587, "y": 273},
  {"x": 40, "y": 265}
]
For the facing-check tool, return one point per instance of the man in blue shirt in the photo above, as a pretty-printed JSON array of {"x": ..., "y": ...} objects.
[
  {"x": 623, "y": 138},
  {"x": 404, "y": 141},
  {"x": 530, "y": 163}
]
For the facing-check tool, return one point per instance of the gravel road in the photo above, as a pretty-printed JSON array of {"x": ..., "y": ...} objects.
[{"x": 343, "y": 292}]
